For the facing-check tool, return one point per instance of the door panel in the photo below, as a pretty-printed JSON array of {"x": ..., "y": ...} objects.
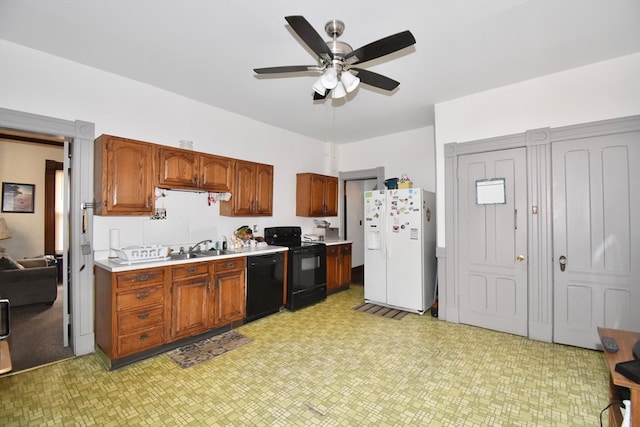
[
  {"x": 493, "y": 283},
  {"x": 596, "y": 201}
]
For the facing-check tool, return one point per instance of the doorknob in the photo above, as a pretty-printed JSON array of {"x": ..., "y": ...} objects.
[
  {"x": 520, "y": 258},
  {"x": 563, "y": 262}
]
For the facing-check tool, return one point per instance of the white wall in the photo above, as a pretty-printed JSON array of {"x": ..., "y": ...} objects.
[
  {"x": 24, "y": 163},
  {"x": 410, "y": 152},
  {"x": 599, "y": 91},
  {"x": 39, "y": 83}
]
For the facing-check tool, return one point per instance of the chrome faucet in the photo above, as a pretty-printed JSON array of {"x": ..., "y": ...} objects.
[{"x": 197, "y": 245}]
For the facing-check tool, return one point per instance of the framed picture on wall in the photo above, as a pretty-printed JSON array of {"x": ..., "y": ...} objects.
[{"x": 18, "y": 198}]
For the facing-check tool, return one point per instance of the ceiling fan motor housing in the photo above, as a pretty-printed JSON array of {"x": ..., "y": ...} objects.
[{"x": 334, "y": 29}]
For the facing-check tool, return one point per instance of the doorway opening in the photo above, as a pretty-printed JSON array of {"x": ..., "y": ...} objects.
[
  {"x": 354, "y": 184},
  {"x": 77, "y": 137}
]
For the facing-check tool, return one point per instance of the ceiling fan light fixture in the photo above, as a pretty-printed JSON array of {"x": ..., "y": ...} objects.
[
  {"x": 330, "y": 78},
  {"x": 349, "y": 81},
  {"x": 339, "y": 91}
]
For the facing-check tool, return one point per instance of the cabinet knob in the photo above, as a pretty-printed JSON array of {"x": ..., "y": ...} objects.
[
  {"x": 142, "y": 297},
  {"x": 143, "y": 337},
  {"x": 143, "y": 316},
  {"x": 193, "y": 270},
  {"x": 142, "y": 277}
]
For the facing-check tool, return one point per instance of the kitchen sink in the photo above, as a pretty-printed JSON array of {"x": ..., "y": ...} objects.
[
  {"x": 178, "y": 256},
  {"x": 215, "y": 252},
  {"x": 203, "y": 254}
]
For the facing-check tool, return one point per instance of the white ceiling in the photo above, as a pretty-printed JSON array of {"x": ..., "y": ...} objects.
[{"x": 206, "y": 50}]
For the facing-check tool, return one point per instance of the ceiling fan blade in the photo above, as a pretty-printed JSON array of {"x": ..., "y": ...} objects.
[
  {"x": 310, "y": 36},
  {"x": 317, "y": 96},
  {"x": 380, "y": 48},
  {"x": 285, "y": 69},
  {"x": 375, "y": 79}
]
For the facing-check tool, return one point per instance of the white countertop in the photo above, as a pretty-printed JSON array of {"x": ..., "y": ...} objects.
[
  {"x": 335, "y": 242},
  {"x": 114, "y": 266}
]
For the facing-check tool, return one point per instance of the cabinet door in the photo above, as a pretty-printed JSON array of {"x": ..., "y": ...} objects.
[
  {"x": 263, "y": 204},
  {"x": 124, "y": 176},
  {"x": 252, "y": 190},
  {"x": 333, "y": 270},
  {"x": 177, "y": 168},
  {"x": 316, "y": 195},
  {"x": 230, "y": 296},
  {"x": 345, "y": 265},
  {"x": 215, "y": 173},
  {"x": 316, "y": 186},
  {"x": 191, "y": 313},
  {"x": 244, "y": 188},
  {"x": 331, "y": 196}
]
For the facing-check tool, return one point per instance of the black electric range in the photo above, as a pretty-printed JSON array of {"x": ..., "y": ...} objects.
[{"x": 307, "y": 266}]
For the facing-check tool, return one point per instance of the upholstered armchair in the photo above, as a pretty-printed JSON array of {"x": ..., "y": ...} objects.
[{"x": 28, "y": 281}]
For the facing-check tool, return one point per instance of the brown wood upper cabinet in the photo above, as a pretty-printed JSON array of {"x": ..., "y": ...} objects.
[
  {"x": 190, "y": 170},
  {"x": 316, "y": 195},
  {"x": 251, "y": 189},
  {"x": 123, "y": 176}
]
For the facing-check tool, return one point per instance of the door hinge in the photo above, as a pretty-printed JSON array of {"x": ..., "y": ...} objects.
[{"x": 69, "y": 319}]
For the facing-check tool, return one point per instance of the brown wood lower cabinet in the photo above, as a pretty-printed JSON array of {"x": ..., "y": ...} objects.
[
  {"x": 192, "y": 300},
  {"x": 138, "y": 311},
  {"x": 230, "y": 290},
  {"x": 131, "y": 311},
  {"x": 338, "y": 267}
]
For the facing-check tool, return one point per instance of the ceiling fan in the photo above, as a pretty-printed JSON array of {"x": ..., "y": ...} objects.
[{"x": 336, "y": 59}]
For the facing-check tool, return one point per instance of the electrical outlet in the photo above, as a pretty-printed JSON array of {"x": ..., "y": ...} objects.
[{"x": 255, "y": 228}]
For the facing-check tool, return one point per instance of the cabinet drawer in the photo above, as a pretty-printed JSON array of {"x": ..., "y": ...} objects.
[
  {"x": 345, "y": 249},
  {"x": 137, "y": 278},
  {"x": 332, "y": 250},
  {"x": 138, "y": 298},
  {"x": 230, "y": 264},
  {"x": 140, "y": 319},
  {"x": 140, "y": 341},
  {"x": 189, "y": 270}
]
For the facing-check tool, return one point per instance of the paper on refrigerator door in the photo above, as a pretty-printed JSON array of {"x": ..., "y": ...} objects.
[{"x": 374, "y": 240}]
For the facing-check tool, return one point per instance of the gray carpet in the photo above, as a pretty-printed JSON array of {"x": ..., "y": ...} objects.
[{"x": 36, "y": 335}]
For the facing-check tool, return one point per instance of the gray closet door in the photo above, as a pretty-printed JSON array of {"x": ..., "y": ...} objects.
[
  {"x": 493, "y": 243},
  {"x": 596, "y": 236}
]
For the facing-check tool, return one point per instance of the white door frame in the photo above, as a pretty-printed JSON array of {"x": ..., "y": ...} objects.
[
  {"x": 539, "y": 216},
  {"x": 79, "y": 136}
]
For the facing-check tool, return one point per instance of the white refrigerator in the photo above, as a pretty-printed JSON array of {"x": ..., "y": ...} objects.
[{"x": 400, "y": 248}]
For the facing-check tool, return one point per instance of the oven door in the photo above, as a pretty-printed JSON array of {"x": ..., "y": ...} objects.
[{"x": 308, "y": 267}]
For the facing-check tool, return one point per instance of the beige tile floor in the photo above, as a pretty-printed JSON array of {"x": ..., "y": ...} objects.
[{"x": 328, "y": 365}]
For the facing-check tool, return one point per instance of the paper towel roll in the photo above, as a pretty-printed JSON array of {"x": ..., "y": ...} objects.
[{"x": 114, "y": 241}]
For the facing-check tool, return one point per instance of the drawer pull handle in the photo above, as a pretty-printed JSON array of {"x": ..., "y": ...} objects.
[
  {"x": 142, "y": 277},
  {"x": 143, "y": 316},
  {"x": 142, "y": 296},
  {"x": 143, "y": 337},
  {"x": 231, "y": 264},
  {"x": 193, "y": 270}
]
